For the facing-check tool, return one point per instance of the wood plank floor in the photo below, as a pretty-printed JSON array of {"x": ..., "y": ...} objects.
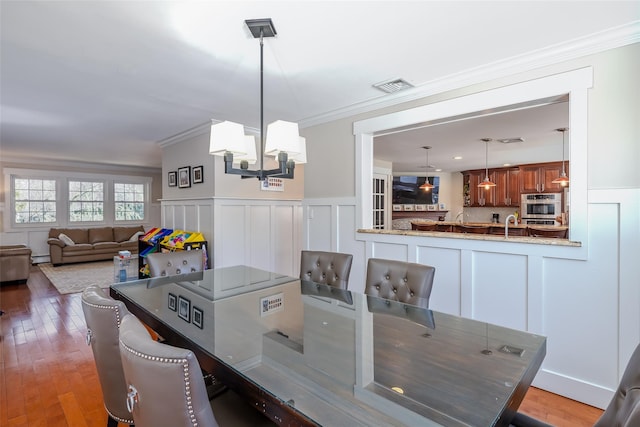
[{"x": 49, "y": 379}]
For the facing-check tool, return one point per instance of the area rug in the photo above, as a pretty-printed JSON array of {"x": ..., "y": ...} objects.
[{"x": 72, "y": 278}]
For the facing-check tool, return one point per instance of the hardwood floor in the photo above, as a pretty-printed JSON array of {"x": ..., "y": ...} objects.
[{"x": 49, "y": 378}]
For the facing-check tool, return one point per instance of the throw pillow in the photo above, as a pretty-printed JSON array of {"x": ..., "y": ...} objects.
[
  {"x": 135, "y": 236},
  {"x": 66, "y": 239}
]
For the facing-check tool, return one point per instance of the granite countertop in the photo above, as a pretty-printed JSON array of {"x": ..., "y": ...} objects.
[
  {"x": 492, "y": 224},
  {"x": 467, "y": 236}
]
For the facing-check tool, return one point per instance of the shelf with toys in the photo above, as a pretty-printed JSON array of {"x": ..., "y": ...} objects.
[{"x": 168, "y": 240}]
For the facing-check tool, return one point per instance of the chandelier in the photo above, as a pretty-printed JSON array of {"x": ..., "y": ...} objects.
[{"x": 282, "y": 138}]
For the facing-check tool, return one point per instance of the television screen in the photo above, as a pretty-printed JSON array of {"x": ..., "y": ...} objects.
[{"x": 406, "y": 190}]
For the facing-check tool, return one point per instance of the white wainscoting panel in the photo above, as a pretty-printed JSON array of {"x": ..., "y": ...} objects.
[
  {"x": 445, "y": 295},
  {"x": 329, "y": 225},
  {"x": 499, "y": 289},
  {"x": 264, "y": 234},
  {"x": 319, "y": 229}
]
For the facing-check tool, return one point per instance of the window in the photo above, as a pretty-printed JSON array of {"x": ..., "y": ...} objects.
[
  {"x": 34, "y": 200},
  {"x": 86, "y": 201},
  {"x": 129, "y": 201},
  {"x": 42, "y": 198}
]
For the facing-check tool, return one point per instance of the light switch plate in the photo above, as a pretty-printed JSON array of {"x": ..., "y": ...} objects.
[{"x": 271, "y": 304}]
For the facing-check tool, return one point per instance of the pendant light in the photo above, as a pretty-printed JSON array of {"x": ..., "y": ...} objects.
[
  {"x": 426, "y": 186},
  {"x": 282, "y": 138},
  {"x": 563, "y": 179},
  {"x": 486, "y": 183}
]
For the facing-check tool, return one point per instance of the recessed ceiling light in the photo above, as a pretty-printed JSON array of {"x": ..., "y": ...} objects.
[
  {"x": 506, "y": 164},
  {"x": 438, "y": 170},
  {"x": 457, "y": 158}
]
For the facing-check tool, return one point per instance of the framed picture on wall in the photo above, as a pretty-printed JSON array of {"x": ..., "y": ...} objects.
[
  {"x": 197, "y": 175},
  {"x": 173, "y": 178},
  {"x": 173, "y": 302},
  {"x": 198, "y": 317},
  {"x": 184, "y": 309},
  {"x": 184, "y": 177}
]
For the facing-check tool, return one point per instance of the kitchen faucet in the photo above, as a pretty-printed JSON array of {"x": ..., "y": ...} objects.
[
  {"x": 506, "y": 225},
  {"x": 461, "y": 213}
]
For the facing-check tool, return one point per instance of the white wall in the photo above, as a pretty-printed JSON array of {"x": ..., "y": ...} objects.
[{"x": 585, "y": 300}]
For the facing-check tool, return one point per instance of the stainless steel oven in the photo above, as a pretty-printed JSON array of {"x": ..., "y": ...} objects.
[{"x": 541, "y": 208}]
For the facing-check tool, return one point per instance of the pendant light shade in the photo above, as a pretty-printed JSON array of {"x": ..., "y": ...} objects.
[
  {"x": 563, "y": 179},
  {"x": 426, "y": 186},
  {"x": 486, "y": 183}
]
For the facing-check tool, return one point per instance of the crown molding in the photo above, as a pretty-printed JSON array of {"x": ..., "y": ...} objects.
[
  {"x": 595, "y": 43},
  {"x": 54, "y": 164}
]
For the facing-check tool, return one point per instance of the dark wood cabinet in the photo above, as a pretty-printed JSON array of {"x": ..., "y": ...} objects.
[
  {"x": 475, "y": 196},
  {"x": 507, "y": 189},
  {"x": 510, "y": 184},
  {"x": 538, "y": 178}
]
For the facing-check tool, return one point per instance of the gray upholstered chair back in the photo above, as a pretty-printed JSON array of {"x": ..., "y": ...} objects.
[
  {"x": 174, "y": 263},
  {"x": 103, "y": 315},
  {"x": 330, "y": 268},
  {"x": 165, "y": 383},
  {"x": 399, "y": 281},
  {"x": 624, "y": 408}
]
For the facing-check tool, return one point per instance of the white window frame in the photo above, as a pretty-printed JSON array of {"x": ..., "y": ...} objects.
[
  {"x": 11, "y": 182},
  {"x": 145, "y": 201},
  {"x": 103, "y": 201},
  {"x": 62, "y": 179}
]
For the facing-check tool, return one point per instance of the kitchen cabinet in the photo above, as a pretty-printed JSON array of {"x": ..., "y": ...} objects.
[
  {"x": 507, "y": 189},
  {"x": 537, "y": 178},
  {"x": 475, "y": 196}
]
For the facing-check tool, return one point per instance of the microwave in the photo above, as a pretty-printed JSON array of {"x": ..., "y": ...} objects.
[{"x": 541, "y": 206}]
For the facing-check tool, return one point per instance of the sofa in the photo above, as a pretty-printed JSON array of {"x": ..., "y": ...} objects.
[
  {"x": 15, "y": 263},
  {"x": 68, "y": 245}
]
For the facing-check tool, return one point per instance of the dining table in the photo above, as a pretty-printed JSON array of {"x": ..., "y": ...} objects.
[{"x": 308, "y": 354}]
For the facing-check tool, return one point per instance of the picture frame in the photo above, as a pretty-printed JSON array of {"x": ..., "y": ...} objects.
[
  {"x": 431, "y": 207},
  {"x": 198, "y": 178},
  {"x": 184, "y": 309},
  {"x": 173, "y": 179},
  {"x": 172, "y": 302},
  {"x": 184, "y": 177},
  {"x": 198, "y": 317}
]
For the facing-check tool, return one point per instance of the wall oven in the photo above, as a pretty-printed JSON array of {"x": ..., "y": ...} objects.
[{"x": 541, "y": 208}]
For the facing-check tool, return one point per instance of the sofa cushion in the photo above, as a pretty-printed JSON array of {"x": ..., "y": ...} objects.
[
  {"x": 100, "y": 246},
  {"x": 122, "y": 234},
  {"x": 66, "y": 239},
  {"x": 78, "y": 247},
  {"x": 102, "y": 234}
]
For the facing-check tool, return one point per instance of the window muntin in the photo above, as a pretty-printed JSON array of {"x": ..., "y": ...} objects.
[
  {"x": 129, "y": 201},
  {"x": 34, "y": 200},
  {"x": 86, "y": 201}
]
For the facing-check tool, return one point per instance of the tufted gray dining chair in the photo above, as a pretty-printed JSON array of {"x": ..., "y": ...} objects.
[
  {"x": 165, "y": 386},
  {"x": 330, "y": 268},
  {"x": 103, "y": 316},
  {"x": 406, "y": 282}
]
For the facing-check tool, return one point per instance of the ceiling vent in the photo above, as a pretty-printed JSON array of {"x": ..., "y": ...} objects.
[
  {"x": 510, "y": 140},
  {"x": 392, "y": 86}
]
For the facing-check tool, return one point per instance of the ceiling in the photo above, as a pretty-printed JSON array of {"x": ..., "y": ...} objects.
[{"x": 104, "y": 82}]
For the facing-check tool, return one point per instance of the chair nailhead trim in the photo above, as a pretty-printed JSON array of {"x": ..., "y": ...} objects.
[
  {"x": 115, "y": 308},
  {"x": 185, "y": 369}
]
